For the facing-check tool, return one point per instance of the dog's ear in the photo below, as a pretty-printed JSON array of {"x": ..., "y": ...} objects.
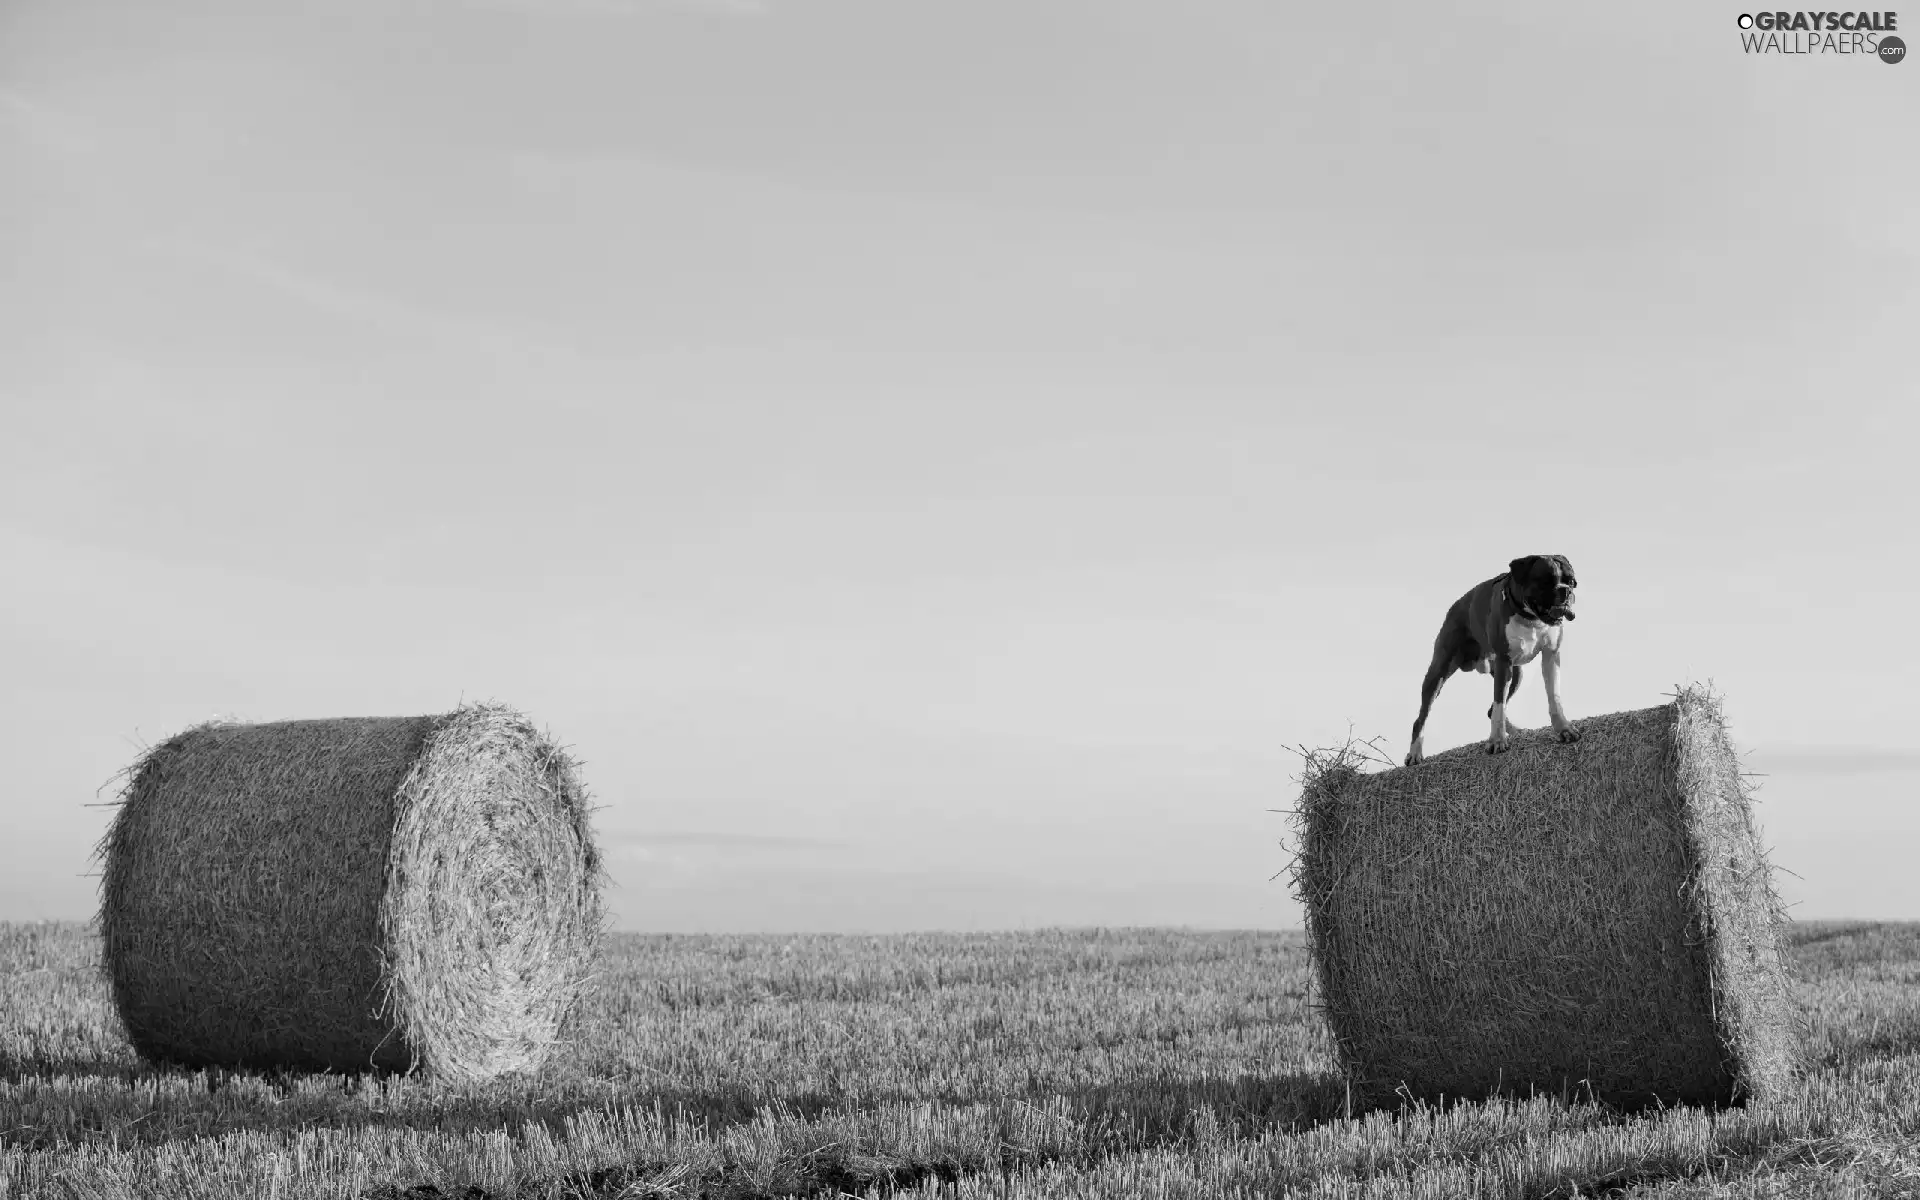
[
  {"x": 1566, "y": 570},
  {"x": 1522, "y": 567}
]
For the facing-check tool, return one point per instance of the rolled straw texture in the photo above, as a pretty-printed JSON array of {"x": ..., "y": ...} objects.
[
  {"x": 1592, "y": 918},
  {"x": 352, "y": 894}
]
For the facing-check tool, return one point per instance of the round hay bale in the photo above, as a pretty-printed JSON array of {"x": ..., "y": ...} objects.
[
  {"x": 1594, "y": 918},
  {"x": 364, "y": 893}
]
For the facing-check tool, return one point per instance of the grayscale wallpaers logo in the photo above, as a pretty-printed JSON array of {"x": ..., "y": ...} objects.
[{"x": 1867, "y": 34}]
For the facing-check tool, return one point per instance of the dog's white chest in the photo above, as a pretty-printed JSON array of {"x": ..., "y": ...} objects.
[{"x": 1527, "y": 638}]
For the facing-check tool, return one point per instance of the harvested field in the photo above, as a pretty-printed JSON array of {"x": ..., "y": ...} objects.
[{"x": 1046, "y": 1064}]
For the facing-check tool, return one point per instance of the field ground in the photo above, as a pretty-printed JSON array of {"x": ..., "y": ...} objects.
[{"x": 1049, "y": 1064}]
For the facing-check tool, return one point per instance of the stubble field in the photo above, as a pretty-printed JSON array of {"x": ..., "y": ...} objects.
[{"x": 1044, "y": 1064}]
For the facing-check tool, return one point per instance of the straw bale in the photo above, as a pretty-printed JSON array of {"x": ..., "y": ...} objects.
[
  {"x": 363, "y": 893},
  {"x": 1588, "y": 918}
]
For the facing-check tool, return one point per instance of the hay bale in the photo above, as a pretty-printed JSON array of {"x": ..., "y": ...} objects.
[
  {"x": 1560, "y": 918},
  {"x": 367, "y": 892}
]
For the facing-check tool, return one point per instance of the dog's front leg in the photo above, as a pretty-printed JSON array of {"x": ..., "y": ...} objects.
[
  {"x": 1503, "y": 670},
  {"x": 1550, "y": 675}
]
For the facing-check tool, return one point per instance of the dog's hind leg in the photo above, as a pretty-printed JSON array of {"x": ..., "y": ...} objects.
[{"x": 1437, "y": 673}]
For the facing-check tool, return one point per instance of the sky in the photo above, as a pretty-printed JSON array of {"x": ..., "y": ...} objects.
[{"x": 932, "y": 461}]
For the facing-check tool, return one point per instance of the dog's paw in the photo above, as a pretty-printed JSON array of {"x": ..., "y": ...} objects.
[
  {"x": 1569, "y": 734},
  {"x": 1497, "y": 746},
  {"x": 1413, "y": 758}
]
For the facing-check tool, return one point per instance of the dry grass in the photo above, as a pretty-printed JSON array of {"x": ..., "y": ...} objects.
[
  {"x": 1593, "y": 918},
  {"x": 351, "y": 894}
]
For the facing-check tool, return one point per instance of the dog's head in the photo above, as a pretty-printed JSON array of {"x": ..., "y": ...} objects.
[{"x": 1544, "y": 583}]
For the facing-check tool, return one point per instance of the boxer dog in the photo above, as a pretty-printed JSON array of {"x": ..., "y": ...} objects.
[{"x": 1497, "y": 628}]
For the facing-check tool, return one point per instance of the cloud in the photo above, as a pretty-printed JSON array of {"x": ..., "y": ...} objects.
[
  {"x": 725, "y": 841},
  {"x": 356, "y": 304},
  {"x": 50, "y": 128},
  {"x": 325, "y": 295},
  {"x": 680, "y": 860},
  {"x": 625, "y": 8},
  {"x": 1832, "y": 760}
]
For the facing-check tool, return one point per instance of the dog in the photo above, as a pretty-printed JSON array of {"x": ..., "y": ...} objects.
[{"x": 1498, "y": 628}]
